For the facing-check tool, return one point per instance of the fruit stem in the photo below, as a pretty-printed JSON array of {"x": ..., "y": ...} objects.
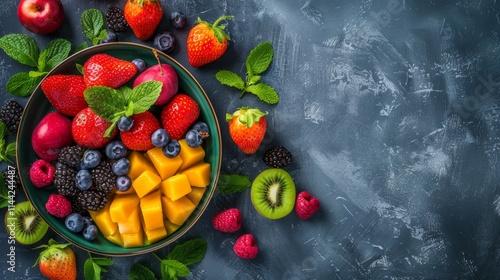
[
  {"x": 154, "y": 254},
  {"x": 159, "y": 63}
]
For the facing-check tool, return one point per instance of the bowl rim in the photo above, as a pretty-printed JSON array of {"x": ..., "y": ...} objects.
[{"x": 209, "y": 195}]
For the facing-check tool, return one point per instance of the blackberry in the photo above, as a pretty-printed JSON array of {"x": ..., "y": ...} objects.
[
  {"x": 71, "y": 155},
  {"x": 10, "y": 114},
  {"x": 11, "y": 178},
  {"x": 91, "y": 200},
  {"x": 103, "y": 177},
  {"x": 116, "y": 19},
  {"x": 77, "y": 207},
  {"x": 277, "y": 157},
  {"x": 64, "y": 180}
]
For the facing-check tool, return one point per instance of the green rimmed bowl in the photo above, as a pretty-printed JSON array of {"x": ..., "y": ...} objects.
[{"x": 38, "y": 106}]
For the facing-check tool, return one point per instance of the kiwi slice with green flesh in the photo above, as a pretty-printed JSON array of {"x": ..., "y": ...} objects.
[
  {"x": 24, "y": 223},
  {"x": 273, "y": 193}
]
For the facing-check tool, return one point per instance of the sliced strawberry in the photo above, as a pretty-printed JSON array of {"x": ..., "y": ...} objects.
[
  {"x": 138, "y": 138},
  {"x": 105, "y": 70},
  {"x": 65, "y": 93},
  {"x": 88, "y": 130},
  {"x": 179, "y": 114}
]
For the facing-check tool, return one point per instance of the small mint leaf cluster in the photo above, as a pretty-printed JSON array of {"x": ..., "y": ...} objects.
[
  {"x": 92, "y": 21},
  {"x": 257, "y": 62}
]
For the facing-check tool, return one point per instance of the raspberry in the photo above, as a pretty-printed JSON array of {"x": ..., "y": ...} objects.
[
  {"x": 245, "y": 247},
  {"x": 228, "y": 220},
  {"x": 306, "y": 205},
  {"x": 42, "y": 173},
  {"x": 58, "y": 205}
]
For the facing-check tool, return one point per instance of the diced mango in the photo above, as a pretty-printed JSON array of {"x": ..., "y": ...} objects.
[
  {"x": 103, "y": 221},
  {"x": 152, "y": 212},
  {"x": 170, "y": 227},
  {"x": 177, "y": 211},
  {"x": 146, "y": 182},
  {"x": 189, "y": 155},
  {"x": 198, "y": 174},
  {"x": 176, "y": 186},
  {"x": 196, "y": 194},
  {"x": 156, "y": 234},
  {"x": 132, "y": 239},
  {"x": 132, "y": 225},
  {"x": 165, "y": 166},
  {"x": 138, "y": 164},
  {"x": 115, "y": 238},
  {"x": 122, "y": 206}
]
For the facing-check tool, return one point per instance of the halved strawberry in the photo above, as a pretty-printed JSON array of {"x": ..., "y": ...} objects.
[
  {"x": 88, "y": 129},
  {"x": 105, "y": 70},
  {"x": 138, "y": 138},
  {"x": 65, "y": 93},
  {"x": 179, "y": 114}
]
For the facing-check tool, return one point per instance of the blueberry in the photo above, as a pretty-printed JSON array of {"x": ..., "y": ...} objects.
[
  {"x": 90, "y": 232},
  {"x": 123, "y": 183},
  {"x": 177, "y": 20},
  {"x": 83, "y": 180},
  {"x": 121, "y": 166},
  {"x": 140, "y": 64},
  {"x": 111, "y": 37},
  {"x": 160, "y": 138},
  {"x": 165, "y": 41},
  {"x": 91, "y": 158},
  {"x": 200, "y": 126},
  {"x": 172, "y": 149},
  {"x": 193, "y": 138},
  {"x": 87, "y": 220},
  {"x": 125, "y": 123},
  {"x": 74, "y": 222},
  {"x": 115, "y": 150}
]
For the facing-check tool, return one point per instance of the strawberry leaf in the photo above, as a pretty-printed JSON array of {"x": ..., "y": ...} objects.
[{"x": 105, "y": 102}]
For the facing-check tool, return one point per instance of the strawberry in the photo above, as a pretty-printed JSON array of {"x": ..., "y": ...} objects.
[
  {"x": 57, "y": 261},
  {"x": 207, "y": 42},
  {"x": 179, "y": 114},
  {"x": 138, "y": 138},
  {"x": 143, "y": 16},
  {"x": 105, "y": 70},
  {"x": 247, "y": 127},
  {"x": 88, "y": 130},
  {"x": 65, "y": 93}
]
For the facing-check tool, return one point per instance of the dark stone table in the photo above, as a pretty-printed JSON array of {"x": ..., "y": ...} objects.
[{"x": 391, "y": 110}]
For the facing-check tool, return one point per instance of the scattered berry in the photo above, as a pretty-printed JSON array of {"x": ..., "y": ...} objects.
[
  {"x": 125, "y": 123},
  {"x": 172, "y": 149},
  {"x": 71, "y": 155},
  {"x": 121, "y": 166},
  {"x": 165, "y": 41},
  {"x": 91, "y": 200},
  {"x": 91, "y": 158},
  {"x": 306, "y": 205},
  {"x": 115, "y": 150},
  {"x": 64, "y": 180},
  {"x": 58, "y": 205},
  {"x": 83, "y": 180},
  {"x": 160, "y": 138},
  {"x": 123, "y": 183},
  {"x": 90, "y": 232},
  {"x": 74, "y": 222},
  {"x": 110, "y": 37},
  {"x": 227, "y": 220},
  {"x": 104, "y": 178},
  {"x": 140, "y": 64},
  {"x": 10, "y": 114},
  {"x": 116, "y": 20},
  {"x": 245, "y": 247},
  {"x": 42, "y": 173},
  {"x": 177, "y": 20},
  {"x": 200, "y": 127},
  {"x": 193, "y": 138},
  {"x": 277, "y": 157}
]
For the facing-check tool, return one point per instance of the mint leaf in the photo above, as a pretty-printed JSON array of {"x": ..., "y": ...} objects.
[
  {"x": 93, "y": 267},
  {"x": 259, "y": 58},
  {"x": 10, "y": 150},
  {"x": 189, "y": 252},
  {"x": 4, "y": 193},
  {"x": 101, "y": 36},
  {"x": 144, "y": 95},
  {"x": 234, "y": 183},
  {"x": 36, "y": 74},
  {"x": 92, "y": 22},
  {"x": 22, "y": 84},
  {"x": 174, "y": 268},
  {"x": 21, "y": 48},
  {"x": 265, "y": 93},
  {"x": 140, "y": 272},
  {"x": 105, "y": 102},
  {"x": 55, "y": 52},
  {"x": 231, "y": 79}
]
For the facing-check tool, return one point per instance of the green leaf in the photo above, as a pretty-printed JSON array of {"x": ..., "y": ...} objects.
[
  {"x": 93, "y": 267},
  {"x": 144, "y": 95},
  {"x": 265, "y": 93},
  {"x": 189, "y": 252},
  {"x": 103, "y": 261},
  {"x": 101, "y": 36},
  {"x": 104, "y": 101},
  {"x": 259, "y": 58},
  {"x": 234, "y": 183},
  {"x": 21, "y": 84},
  {"x": 140, "y": 272},
  {"x": 4, "y": 131},
  {"x": 4, "y": 193},
  {"x": 55, "y": 52},
  {"x": 175, "y": 268},
  {"x": 84, "y": 45},
  {"x": 231, "y": 79},
  {"x": 79, "y": 68},
  {"x": 36, "y": 74},
  {"x": 21, "y": 48},
  {"x": 92, "y": 21},
  {"x": 10, "y": 150}
]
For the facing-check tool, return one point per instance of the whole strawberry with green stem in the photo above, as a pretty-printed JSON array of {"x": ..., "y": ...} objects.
[
  {"x": 57, "y": 261},
  {"x": 247, "y": 128},
  {"x": 143, "y": 16},
  {"x": 207, "y": 42}
]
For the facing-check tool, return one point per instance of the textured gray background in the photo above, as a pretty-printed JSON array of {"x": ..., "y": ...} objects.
[{"x": 391, "y": 110}]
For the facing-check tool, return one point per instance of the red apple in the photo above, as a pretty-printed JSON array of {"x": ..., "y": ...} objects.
[
  {"x": 51, "y": 134},
  {"x": 41, "y": 16},
  {"x": 163, "y": 73}
]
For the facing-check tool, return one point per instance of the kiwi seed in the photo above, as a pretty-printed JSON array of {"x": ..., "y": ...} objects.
[
  {"x": 27, "y": 225},
  {"x": 273, "y": 193}
]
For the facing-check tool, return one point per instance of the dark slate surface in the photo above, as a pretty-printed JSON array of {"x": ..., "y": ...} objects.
[{"x": 391, "y": 110}]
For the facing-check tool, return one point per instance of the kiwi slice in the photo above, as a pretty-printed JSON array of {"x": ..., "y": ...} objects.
[
  {"x": 24, "y": 224},
  {"x": 273, "y": 193}
]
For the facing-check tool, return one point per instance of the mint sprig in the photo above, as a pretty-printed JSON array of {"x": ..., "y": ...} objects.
[
  {"x": 257, "y": 62},
  {"x": 93, "y": 267},
  {"x": 234, "y": 183},
  {"x": 92, "y": 21},
  {"x": 7, "y": 150},
  {"x": 25, "y": 50}
]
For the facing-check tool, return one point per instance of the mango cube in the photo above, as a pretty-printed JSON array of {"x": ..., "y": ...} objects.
[
  {"x": 138, "y": 164},
  {"x": 103, "y": 220},
  {"x": 146, "y": 182},
  {"x": 122, "y": 207},
  {"x": 177, "y": 211},
  {"x": 156, "y": 234},
  {"x": 132, "y": 225},
  {"x": 132, "y": 239},
  {"x": 189, "y": 155},
  {"x": 115, "y": 238},
  {"x": 176, "y": 186},
  {"x": 196, "y": 194},
  {"x": 165, "y": 166},
  {"x": 152, "y": 213},
  {"x": 170, "y": 227},
  {"x": 198, "y": 175}
]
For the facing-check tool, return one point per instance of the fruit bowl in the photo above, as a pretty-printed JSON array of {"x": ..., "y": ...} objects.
[{"x": 38, "y": 106}]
